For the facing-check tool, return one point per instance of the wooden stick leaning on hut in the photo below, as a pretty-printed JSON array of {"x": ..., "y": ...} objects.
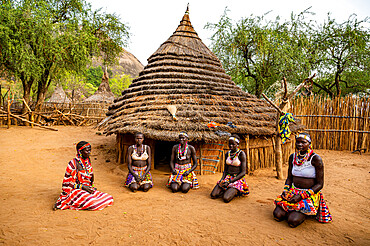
[
  {"x": 285, "y": 100},
  {"x": 36, "y": 124}
]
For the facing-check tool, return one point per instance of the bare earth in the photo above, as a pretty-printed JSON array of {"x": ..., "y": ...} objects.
[{"x": 32, "y": 166}]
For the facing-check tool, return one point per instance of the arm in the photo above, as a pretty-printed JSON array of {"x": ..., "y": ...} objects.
[
  {"x": 194, "y": 158},
  {"x": 129, "y": 163},
  {"x": 289, "y": 179},
  {"x": 172, "y": 162},
  {"x": 148, "y": 161},
  {"x": 243, "y": 164},
  {"x": 319, "y": 167}
]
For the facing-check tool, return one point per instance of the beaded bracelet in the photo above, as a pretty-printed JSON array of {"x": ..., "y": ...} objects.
[
  {"x": 286, "y": 187},
  {"x": 306, "y": 194},
  {"x": 77, "y": 186}
]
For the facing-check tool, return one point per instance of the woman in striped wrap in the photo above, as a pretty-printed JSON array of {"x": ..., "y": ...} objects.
[
  {"x": 302, "y": 191},
  {"x": 78, "y": 191}
]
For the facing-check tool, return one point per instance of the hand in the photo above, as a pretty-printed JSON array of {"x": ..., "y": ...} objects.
[
  {"x": 295, "y": 198},
  {"x": 224, "y": 184},
  {"x": 137, "y": 178},
  {"x": 174, "y": 172},
  {"x": 283, "y": 195},
  {"x": 186, "y": 173},
  {"x": 88, "y": 189}
]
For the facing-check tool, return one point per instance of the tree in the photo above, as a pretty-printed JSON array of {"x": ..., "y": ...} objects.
[
  {"x": 256, "y": 52},
  {"x": 119, "y": 82},
  {"x": 41, "y": 39},
  {"x": 345, "y": 59}
]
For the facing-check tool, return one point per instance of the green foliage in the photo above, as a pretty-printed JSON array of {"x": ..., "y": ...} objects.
[
  {"x": 42, "y": 39},
  {"x": 94, "y": 75},
  {"x": 344, "y": 56},
  {"x": 119, "y": 83},
  {"x": 257, "y": 52}
]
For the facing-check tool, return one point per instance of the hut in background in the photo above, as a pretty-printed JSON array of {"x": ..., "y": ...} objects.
[
  {"x": 104, "y": 94},
  {"x": 183, "y": 74},
  {"x": 59, "y": 96}
]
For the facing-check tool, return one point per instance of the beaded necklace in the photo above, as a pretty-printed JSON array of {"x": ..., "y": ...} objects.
[
  {"x": 299, "y": 161},
  {"x": 181, "y": 155},
  {"x": 234, "y": 155},
  {"x": 141, "y": 151},
  {"x": 82, "y": 163}
]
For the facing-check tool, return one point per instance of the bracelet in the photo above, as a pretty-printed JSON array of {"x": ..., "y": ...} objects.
[
  {"x": 287, "y": 187},
  {"x": 306, "y": 194},
  {"x": 77, "y": 186}
]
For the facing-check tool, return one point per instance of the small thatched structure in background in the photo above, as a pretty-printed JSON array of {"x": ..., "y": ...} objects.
[
  {"x": 104, "y": 93},
  {"x": 183, "y": 74},
  {"x": 59, "y": 96}
]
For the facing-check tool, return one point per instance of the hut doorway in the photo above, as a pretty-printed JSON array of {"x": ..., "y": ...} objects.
[{"x": 162, "y": 155}]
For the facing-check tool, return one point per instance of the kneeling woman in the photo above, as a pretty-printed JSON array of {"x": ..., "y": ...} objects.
[
  {"x": 139, "y": 163},
  {"x": 233, "y": 181},
  {"x": 302, "y": 195},
  {"x": 182, "y": 176},
  {"x": 79, "y": 192}
]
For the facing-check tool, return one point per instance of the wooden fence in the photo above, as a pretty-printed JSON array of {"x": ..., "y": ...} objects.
[
  {"x": 76, "y": 114},
  {"x": 337, "y": 124}
]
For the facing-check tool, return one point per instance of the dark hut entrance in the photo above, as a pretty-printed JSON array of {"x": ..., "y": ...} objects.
[{"x": 162, "y": 155}]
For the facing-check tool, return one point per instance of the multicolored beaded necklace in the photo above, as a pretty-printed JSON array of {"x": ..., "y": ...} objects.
[
  {"x": 181, "y": 155},
  {"x": 234, "y": 155},
  {"x": 299, "y": 161},
  {"x": 141, "y": 151},
  {"x": 81, "y": 161}
]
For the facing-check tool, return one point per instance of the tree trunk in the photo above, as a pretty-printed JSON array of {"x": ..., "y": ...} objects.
[{"x": 337, "y": 86}]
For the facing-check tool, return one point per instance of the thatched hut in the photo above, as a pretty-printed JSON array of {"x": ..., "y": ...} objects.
[
  {"x": 183, "y": 73},
  {"x": 59, "y": 96},
  {"x": 104, "y": 94}
]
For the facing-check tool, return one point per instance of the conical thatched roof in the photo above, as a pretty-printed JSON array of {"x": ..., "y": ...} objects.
[
  {"x": 104, "y": 93},
  {"x": 185, "y": 73},
  {"x": 59, "y": 96}
]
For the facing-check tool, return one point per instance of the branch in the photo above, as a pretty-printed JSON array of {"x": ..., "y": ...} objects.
[{"x": 272, "y": 104}]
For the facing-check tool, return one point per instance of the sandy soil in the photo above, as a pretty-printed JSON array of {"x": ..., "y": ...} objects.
[{"x": 32, "y": 166}]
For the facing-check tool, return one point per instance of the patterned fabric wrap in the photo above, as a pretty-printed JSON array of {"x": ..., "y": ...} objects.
[
  {"x": 140, "y": 172},
  {"x": 284, "y": 131},
  {"x": 178, "y": 178},
  {"x": 241, "y": 184},
  {"x": 313, "y": 205},
  {"x": 78, "y": 199}
]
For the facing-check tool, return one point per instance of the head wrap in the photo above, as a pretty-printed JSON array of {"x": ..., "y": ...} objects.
[
  {"x": 184, "y": 134},
  {"x": 304, "y": 136},
  {"x": 235, "y": 139},
  {"x": 82, "y": 145}
]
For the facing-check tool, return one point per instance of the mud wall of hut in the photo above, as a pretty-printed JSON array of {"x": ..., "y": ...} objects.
[{"x": 211, "y": 156}]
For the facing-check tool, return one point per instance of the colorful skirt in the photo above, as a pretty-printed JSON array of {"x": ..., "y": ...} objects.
[
  {"x": 140, "y": 171},
  {"x": 313, "y": 205},
  {"x": 79, "y": 199},
  {"x": 241, "y": 184},
  {"x": 178, "y": 178}
]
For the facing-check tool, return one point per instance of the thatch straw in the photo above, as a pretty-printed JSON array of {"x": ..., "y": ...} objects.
[{"x": 185, "y": 74}]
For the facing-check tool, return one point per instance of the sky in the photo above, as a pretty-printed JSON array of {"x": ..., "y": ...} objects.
[{"x": 152, "y": 22}]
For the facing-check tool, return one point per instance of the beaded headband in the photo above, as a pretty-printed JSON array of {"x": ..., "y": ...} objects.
[
  {"x": 304, "y": 136},
  {"x": 85, "y": 146},
  {"x": 235, "y": 139},
  {"x": 184, "y": 134}
]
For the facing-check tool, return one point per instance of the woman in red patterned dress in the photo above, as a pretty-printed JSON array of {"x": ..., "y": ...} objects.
[{"x": 78, "y": 191}]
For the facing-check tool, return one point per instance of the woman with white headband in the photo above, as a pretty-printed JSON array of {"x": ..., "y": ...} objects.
[
  {"x": 182, "y": 171},
  {"x": 302, "y": 191},
  {"x": 233, "y": 181}
]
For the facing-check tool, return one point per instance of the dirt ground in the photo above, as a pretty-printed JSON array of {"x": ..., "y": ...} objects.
[{"x": 32, "y": 166}]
